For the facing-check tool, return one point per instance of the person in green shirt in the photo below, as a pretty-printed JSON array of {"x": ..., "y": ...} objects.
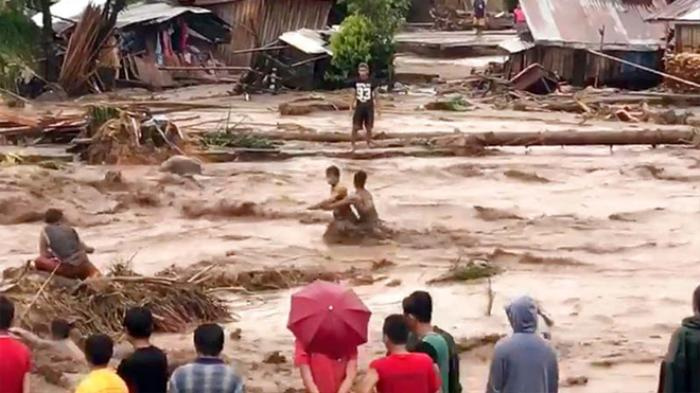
[{"x": 418, "y": 310}]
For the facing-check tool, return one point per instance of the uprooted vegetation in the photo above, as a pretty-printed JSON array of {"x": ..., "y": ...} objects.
[
  {"x": 98, "y": 305},
  {"x": 467, "y": 271}
]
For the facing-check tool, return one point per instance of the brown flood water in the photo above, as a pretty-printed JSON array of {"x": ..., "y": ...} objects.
[{"x": 614, "y": 238}]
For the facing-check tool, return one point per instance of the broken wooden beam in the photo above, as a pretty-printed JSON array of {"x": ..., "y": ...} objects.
[{"x": 580, "y": 138}]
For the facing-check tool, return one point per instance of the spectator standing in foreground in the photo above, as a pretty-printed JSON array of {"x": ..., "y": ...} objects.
[
  {"x": 15, "y": 358},
  {"x": 146, "y": 369},
  {"x": 418, "y": 312},
  {"x": 418, "y": 309},
  {"x": 680, "y": 370},
  {"x": 400, "y": 371},
  {"x": 209, "y": 373},
  {"x": 323, "y": 374},
  {"x": 101, "y": 379},
  {"x": 523, "y": 362}
]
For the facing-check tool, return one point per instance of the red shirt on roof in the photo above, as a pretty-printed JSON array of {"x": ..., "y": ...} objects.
[
  {"x": 328, "y": 373},
  {"x": 402, "y": 373},
  {"x": 15, "y": 362}
]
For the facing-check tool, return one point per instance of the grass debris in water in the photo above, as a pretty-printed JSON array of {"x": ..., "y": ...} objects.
[
  {"x": 468, "y": 271},
  {"x": 236, "y": 139}
]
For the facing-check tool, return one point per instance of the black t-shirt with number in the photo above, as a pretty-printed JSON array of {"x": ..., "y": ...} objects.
[{"x": 364, "y": 92}]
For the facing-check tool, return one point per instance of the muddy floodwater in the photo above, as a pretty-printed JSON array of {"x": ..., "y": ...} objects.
[{"x": 605, "y": 240}]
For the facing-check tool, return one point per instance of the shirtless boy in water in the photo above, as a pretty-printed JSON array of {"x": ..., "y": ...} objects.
[
  {"x": 338, "y": 193},
  {"x": 361, "y": 201}
]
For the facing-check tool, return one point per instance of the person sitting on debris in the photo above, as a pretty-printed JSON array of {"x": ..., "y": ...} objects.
[
  {"x": 101, "y": 379},
  {"x": 361, "y": 201},
  {"x": 524, "y": 361},
  {"x": 338, "y": 193},
  {"x": 209, "y": 373},
  {"x": 15, "y": 361},
  {"x": 61, "y": 249},
  {"x": 60, "y": 342},
  {"x": 146, "y": 369},
  {"x": 679, "y": 369}
]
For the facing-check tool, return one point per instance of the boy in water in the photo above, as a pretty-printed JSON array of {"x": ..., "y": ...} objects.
[
  {"x": 361, "y": 201},
  {"x": 363, "y": 105},
  {"x": 338, "y": 193}
]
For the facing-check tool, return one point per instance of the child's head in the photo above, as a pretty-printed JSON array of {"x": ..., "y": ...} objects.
[
  {"x": 98, "y": 350},
  {"x": 60, "y": 329},
  {"x": 363, "y": 71},
  {"x": 138, "y": 322}
]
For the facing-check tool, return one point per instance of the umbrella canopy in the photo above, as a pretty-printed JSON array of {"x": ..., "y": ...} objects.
[{"x": 328, "y": 318}]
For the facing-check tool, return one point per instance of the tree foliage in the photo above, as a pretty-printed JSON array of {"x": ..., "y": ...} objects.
[
  {"x": 18, "y": 46},
  {"x": 367, "y": 35}
]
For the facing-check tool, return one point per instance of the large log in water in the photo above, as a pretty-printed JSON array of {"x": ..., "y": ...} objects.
[{"x": 580, "y": 138}]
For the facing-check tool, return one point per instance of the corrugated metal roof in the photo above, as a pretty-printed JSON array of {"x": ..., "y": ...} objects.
[
  {"x": 307, "y": 40},
  {"x": 516, "y": 45},
  {"x": 576, "y": 23},
  {"x": 66, "y": 11},
  {"x": 154, "y": 13},
  {"x": 674, "y": 11}
]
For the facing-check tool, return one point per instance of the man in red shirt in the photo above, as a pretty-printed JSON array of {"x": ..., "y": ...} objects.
[
  {"x": 400, "y": 371},
  {"x": 323, "y": 374},
  {"x": 15, "y": 362}
]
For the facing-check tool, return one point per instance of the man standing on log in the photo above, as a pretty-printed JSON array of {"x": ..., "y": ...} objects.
[
  {"x": 479, "y": 16},
  {"x": 363, "y": 104}
]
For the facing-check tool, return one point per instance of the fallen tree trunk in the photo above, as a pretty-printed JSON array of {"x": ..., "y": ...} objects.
[
  {"x": 340, "y": 137},
  {"x": 577, "y": 138}
]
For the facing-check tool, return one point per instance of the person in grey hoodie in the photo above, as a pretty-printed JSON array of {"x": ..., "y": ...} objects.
[{"x": 523, "y": 362}]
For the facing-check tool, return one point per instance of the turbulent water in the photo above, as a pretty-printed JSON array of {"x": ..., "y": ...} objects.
[{"x": 606, "y": 242}]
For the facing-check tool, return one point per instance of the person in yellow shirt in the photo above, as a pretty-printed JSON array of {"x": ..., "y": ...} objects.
[
  {"x": 338, "y": 193},
  {"x": 101, "y": 379}
]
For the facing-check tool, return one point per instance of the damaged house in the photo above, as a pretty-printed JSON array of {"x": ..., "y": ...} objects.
[
  {"x": 561, "y": 34},
  {"x": 683, "y": 16},
  {"x": 160, "y": 44},
  {"x": 259, "y": 23}
]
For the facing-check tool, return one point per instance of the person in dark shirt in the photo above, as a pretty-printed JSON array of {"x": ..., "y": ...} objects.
[
  {"x": 363, "y": 104},
  {"x": 145, "y": 370}
]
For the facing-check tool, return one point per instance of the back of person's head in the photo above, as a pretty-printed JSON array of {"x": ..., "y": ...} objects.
[
  {"x": 7, "y": 313},
  {"x": 363, "y": 66},
  {"x": 209, "y": 339},
  {"x": 419, "y": 305},
  {"x": 53, "y": 216},
  {"x": 138, "y": 322},
  {"x": 360, "y": 179},
  {"x": 333, "y": 171},
  {"x": 60, "y": 329},
  {"x": 99, "y": 349},
  {"x": 696, "y": 300},
  {"x": 396, "y": 329}
]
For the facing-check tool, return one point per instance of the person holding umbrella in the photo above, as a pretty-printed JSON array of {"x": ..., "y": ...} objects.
[{"x": 329, "y": 322}]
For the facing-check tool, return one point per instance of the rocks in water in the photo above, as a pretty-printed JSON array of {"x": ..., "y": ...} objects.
[{"x": 182, "y": 165}]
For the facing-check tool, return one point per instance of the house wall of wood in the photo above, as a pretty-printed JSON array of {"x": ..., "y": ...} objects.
[
  {"x": 580, "y": 68},
  {"x": 687, "y": 38},
  {"x": 256, "y": 23}
]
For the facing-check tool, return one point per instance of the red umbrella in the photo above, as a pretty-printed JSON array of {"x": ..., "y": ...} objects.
[{"x": 328, "y": 318}]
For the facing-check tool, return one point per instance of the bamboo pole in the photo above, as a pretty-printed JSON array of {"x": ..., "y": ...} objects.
[{"x": 647, "y": 69}]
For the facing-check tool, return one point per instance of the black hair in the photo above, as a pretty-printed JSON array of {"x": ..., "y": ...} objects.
[
  {"x": 60, "y": 329},
  {"x": 360, "y": 179},
  {"x": 396, "y": 329},
  {"x": 419, "y": 304},
  {"x": 696, "y": 299},
  {"x": 99, "y": 349},
  {"x": 333, "y": 170},
  {"x": 363, "y": 65},
  {"x": 7, "y": 313},
  {"x": 209, "y": 339},
  {"x": 53, "y": 216},
  {"x": 138, "y": 322}
]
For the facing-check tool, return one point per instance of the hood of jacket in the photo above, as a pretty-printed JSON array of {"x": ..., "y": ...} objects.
[{"x": 522, "y": 314}]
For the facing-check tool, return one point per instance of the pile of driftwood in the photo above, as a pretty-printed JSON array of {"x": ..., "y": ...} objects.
[
  {"x": 685, "y": 66},
  {"x": 25, "y": 122},
  {"x": 98, "y": 305},
  {"x": 117, "y": 136}
]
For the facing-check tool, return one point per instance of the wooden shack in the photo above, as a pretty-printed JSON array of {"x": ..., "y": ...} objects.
[{"x": 257, "y": 23}]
